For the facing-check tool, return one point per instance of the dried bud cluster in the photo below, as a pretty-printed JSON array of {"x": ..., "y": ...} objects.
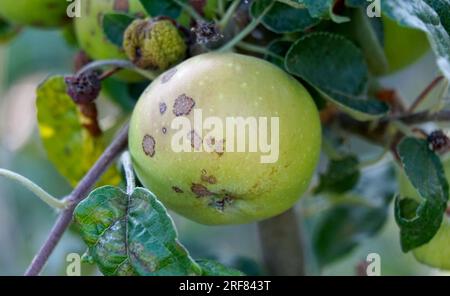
[
  {"x": 83, "y": 88},
  {"x": 207, "y": 32},
  {"x": 439, "y": 141}
]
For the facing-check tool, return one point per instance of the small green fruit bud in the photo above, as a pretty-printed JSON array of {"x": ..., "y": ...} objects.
[{"x": 154, "y": 45}]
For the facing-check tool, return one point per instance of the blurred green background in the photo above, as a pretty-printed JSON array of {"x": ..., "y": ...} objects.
[{"x": 25, "y": 222}]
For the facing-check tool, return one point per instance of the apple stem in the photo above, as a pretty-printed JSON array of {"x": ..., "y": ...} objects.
[
  {"x": 117, "y": 64},
  {"x": 128, "y": 169},
  {"x": 258, "y": 49},
  {"x": 282, "y": 244}
]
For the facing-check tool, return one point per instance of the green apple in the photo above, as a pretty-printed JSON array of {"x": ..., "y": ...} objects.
[
  {"x": 210, "y": 180},
  {"x": 90, "y": 35},
  {"x": 38, "y": 13},
  {"x": 435, "y": 253},
  {"x": 403, "y": 46}
]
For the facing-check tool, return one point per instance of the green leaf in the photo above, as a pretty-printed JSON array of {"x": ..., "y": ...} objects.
[
  {"x": 214, "y": 268},
  {"x": 283, "y": 18},
  {"x": 114, "y": 26},
  {"x": 424, "y": 169},
  {"x": 338, "y": 70},
  {"x": 343, "y": 227},
  {"x": 341, "y": 175},
  {"x": 419, "y": 15},
  {"x": 162, "y": 8},
  {"x": 132, "y": 235},
  {"x": 120, "y": 93},
  {"x": 69, "y": 145},
  {"x": 278, "y": 49},
  {"x": 419, "y": 220}
]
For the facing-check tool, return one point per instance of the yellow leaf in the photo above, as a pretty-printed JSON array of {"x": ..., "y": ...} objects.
[{"x": 70, "y": 146}]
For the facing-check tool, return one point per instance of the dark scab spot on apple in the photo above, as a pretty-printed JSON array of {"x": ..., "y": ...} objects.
[
  {"x": 168, "y": 75},
  {"x": 208, "y": 179},
  {"x": 200, "y": 190},
  {"x": 162, "y": 107},
  {"x": 148, "y": 145},
  {"x": 222, "y": 201},
  {"x": 164, "y": 130},
  {"x": 177, "y": 189},
  {"x": 183, "y": 105},
  {"x": 196, "y": 140},
  {"x": 121, "y": 5}
]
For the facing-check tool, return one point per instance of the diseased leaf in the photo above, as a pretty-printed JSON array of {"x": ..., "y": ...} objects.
[
  {"x": 114, "y": 26},
  {"x": 214, "y": 268},
  {"x": 69, "y": 145},
  {"x": 341, "y": 175},
  {"x": 419, "y": 220},
  {"x": 338, "y": 70},
  {"x": 419, "y": 15},
  {"x": 132, "y": 235}
]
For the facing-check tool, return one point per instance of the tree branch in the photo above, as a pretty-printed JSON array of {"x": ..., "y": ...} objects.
[
  {"x": 282, "y": 244},
  {"x": 78, "y": 194},
  {"x": 423, "y": 117}
]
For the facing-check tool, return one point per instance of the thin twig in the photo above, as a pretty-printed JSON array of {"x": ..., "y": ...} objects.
[
  {"x": 38, "y": 191},
  {"x": 425, "y": 93},
  {"x": 423, "y": 117},
  {"x": 246, "y": 31},
  {"x": 78, "y": 194},
  {"x": 122, "y": 64}
]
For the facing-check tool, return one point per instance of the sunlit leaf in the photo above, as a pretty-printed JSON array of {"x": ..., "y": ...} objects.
[{"x": 69, "y": 145}]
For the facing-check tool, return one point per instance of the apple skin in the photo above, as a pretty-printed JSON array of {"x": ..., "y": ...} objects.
[
  {"x": 403, "y": 46},
  {"x": 36, "y": 13},
  {"x": 225, "y": 85},
  {"x": 92, "y": 39},
  {"x": 435, "y": 253}
]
